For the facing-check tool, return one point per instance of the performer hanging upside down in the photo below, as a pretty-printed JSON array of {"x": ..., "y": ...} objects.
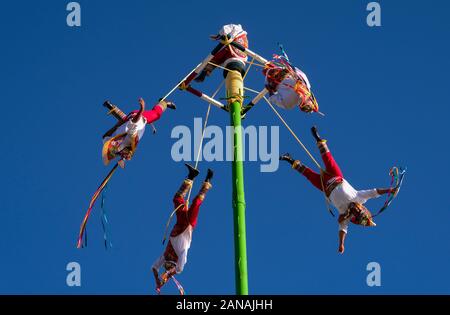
[
  {"x": 347, "y": 200},
  {"x": 174, "y": 257},
  {"x": 122, "y": 139},
  {"x": 229, "y": 56},
  {"x": 289, "y": 87}
]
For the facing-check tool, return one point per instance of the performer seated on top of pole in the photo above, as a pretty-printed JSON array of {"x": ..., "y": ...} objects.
[
  {"x": 175, "y": 255},
  {"x": 122, "y": 139},
  {"x": 347, "y": 200},
  {"x": 288, "y": 86},
  {"x": 229, "y": 57}
]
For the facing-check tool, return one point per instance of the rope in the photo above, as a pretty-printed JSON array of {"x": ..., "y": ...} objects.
[
  {"x": 196, "y": 162},
  {"x": 203, "y": 136},
  {"x": 255, "y": 64},
  {"x": 248, "y": 68},
  {"x": 293, "y": 133},
  {"x": 178, "y": 84},
  {"x": 322, "y": 171},
  {"x": 251, "y": 90},
  {"x": 168, "y": 223},
  {"x": 219, "y": 66}
]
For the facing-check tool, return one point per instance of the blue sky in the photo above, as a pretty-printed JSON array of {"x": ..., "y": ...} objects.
[{"x": 384, "y": 92}]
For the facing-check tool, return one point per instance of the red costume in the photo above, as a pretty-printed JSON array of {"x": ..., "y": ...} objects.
[
  {"x": 341, "y": 194},
  {"x": 229, "y": 53},
  {"x": 181, "y": 234},
  {"x": 330, "y": 178}
]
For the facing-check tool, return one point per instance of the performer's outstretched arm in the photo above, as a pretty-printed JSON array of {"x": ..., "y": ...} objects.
[
  {"x": 375, "y": 193},
  {"x": 342, "y": 235},
  {"x": 383, "y": 191}
]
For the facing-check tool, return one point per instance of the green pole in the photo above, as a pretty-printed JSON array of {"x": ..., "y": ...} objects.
[{"x": 235, "y": 87}]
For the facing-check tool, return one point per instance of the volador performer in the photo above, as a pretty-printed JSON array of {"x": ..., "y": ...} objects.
[
  {"x": 122, "y": 139},
  {"x": 348, "y": 201},
  {"x": 229, "y": 57},
  {"x": 121, "y": 142},
  {"x": 174, "y": 257},
  {"x": 288, "y": 86}
]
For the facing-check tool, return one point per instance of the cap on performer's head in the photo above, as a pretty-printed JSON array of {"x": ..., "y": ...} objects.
[
  {"x": 307, "y": 106},
  {"x": 308, "y": 102},
  {"x": 360, "y": 214}
]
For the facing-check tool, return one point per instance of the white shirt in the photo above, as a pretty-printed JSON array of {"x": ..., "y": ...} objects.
[
  {"x": 131, "y": 129},
  {"x": 181, "y": 244},
  {"x": 344, "y": 194},
  {"x": 286, "y": 97}
]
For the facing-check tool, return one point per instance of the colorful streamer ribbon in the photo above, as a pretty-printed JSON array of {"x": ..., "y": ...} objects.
[
  {"x": 91, "y": 205},
  {"x": 397, "y": 175}
]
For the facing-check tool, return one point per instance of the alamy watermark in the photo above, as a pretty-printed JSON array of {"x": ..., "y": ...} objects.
[
  {"x": 74, "y": 16},
  {"x": 374, "y": 17},
  {"x": 374, "y": 277},
  {"x": 73, "y": 278},
  {"x": 218, "y": 145}
]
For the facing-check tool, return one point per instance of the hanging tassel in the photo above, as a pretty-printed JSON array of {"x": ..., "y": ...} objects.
[
  {"x": 179, "y": 287},
  {"x": 108, "y": 243},
  {"x": 85, "y": 243},
  {"x": 283, "y": 51},
  {"x": 91, "y": 205}
]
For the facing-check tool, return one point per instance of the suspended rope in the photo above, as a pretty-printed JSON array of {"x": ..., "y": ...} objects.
[
  {"x": 251, "y": 90},
  {"x": 248, "y": 68},
  {"x": 178, "y": 84},
  {"x": 255, "y": 63},
  {"x": 322, "y": 171},
  {"x": 205, "y": 124},
  {"x": 91, "y": 204},
  {"x": 168, "y": 222},
  {"x": 293, "y": 133},
  {"x": 197, "y": 158},
  {"x": 220, "y": 67}
]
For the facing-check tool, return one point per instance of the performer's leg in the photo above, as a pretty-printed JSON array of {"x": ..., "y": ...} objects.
[
  {"x": 218, "y": 59},
  {"x": 156, "y": 112},
  {"x": 330, "y": 164},
  {"x": 312, "y": 176},
  {"x": 195, "y": 207},
  {"x": 185, "y": 186},
  {"x": 178, "y": 198}
]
